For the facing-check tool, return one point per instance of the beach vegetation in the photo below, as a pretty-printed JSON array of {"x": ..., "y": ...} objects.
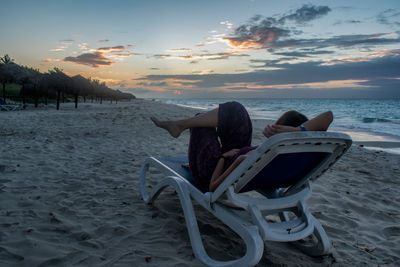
[{"x": 26, "y": 84}]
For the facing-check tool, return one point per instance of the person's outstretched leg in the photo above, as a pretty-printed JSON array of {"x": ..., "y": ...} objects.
[
  {"x": 234, "y": 126},
  {"x": 175, "y": 128}
]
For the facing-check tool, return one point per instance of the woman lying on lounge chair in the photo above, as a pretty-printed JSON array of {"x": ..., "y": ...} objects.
[{"x": 211, "y": 161}]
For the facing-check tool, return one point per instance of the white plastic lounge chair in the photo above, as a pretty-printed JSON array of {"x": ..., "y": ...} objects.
[
  {"x": 9, "y": 107},
  {"x": 242, "y": 203}
]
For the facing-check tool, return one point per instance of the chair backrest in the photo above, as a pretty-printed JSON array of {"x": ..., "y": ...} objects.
[{"x": 286, "y": 160}]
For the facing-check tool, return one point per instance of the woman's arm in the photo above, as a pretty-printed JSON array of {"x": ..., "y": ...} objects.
[
  {"x": 217, "y": 178},
  {"x": 318, "y": 123}
]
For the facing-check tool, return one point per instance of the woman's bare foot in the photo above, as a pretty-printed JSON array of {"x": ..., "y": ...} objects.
[{"x": 171, "y": 126}]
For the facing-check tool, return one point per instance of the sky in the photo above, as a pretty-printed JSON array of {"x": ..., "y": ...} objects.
[{"x": 213, "y": 49}]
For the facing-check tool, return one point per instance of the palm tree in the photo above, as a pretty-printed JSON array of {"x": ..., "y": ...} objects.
[
  {"x": 6, "y": 59},
  {"x": 5, "y": 74}
]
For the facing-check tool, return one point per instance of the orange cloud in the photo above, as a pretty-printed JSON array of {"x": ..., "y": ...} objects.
[
  {"x": 314, "y": 85},
  {"x": 210, "y": 56},
  {"x": 365, "y": 57},
  {"x": 103, "y": 56},
  {"x": 111, "y": 49},
  {"x": 51, "y": 60},
  {"x": 94, "y": 60},
  {"x": 179, "y": 50}
]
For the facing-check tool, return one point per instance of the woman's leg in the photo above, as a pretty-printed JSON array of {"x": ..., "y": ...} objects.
[
  {"x": 234, "y": 126},
  {"x": 175, "y": 128}
]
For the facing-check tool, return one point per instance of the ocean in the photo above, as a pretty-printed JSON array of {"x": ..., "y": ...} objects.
[{"x": 363, "y": 119}]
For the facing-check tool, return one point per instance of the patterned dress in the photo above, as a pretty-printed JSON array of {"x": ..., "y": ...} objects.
[{"x": 207, "y": 144}]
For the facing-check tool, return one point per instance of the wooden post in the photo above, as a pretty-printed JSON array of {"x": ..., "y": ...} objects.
[
  {"x": 101, "y": 100},
  {"x": 4, "y": 91},
  {"x": 58, "y": 99},
  {"x": 36, "y": 101},
  {"x": 76, "y": 100}
]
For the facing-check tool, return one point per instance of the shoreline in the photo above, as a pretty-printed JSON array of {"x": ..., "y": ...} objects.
[
  {"x": 360, "y": 123},
  {"x": 360, "y": 137},
  {"x": 366, "y": 140}
]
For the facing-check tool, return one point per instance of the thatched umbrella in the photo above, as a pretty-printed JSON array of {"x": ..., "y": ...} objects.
[
  {"x": 9, "y": 72},
  {"x": 80, "y": 86},
  {"x": 57, "y": 81}
]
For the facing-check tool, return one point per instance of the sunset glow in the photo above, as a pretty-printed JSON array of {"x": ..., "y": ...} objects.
[{"x": 160, "y": 49}]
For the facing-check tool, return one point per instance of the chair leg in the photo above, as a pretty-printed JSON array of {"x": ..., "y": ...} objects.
[
  {"x": 248, "y": 232},
  {"x": 318, "y": 244}
]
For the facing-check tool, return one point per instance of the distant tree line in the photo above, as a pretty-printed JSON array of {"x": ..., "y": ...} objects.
[{"x": 55, "y": 85}]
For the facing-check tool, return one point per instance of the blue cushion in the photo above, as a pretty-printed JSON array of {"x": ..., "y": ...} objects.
[{"x": 285, "y": 170}]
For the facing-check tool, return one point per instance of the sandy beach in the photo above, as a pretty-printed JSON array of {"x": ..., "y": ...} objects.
[{"x": 69, "y": 195}]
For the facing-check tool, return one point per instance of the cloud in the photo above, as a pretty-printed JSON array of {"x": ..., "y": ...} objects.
[
  {"x": 179, "y": 50},
  {"x": 51, "y": 60},
  {"x": 262, "y": 32},
  {"x": 152, "y": 84},
  {"x": 274, "y": 34},
  {"x": 228, "y": 24},
  {"x": 350, "y": 21},
  {"x": 94, "y": 60},
  {"x": 58, "y": 49},
  {"x": 63, "y": 45},
  {"x": 162, "y": 56},
  {"x": 307, "y": 13},
  {"x": 83, "y": 46},
  {"x": 304, "y": 53},
  {"x": 375, "y": 77},
  {"x": 168, "y": 83},
  {"x": 202, "y": 72},
  {"x": 103, "y": 41},
  {"x": 194, "y": 57},
  {"x": 136, "y": 91},
  {"x": 111, "y": 49},
  {"x": 103, "y": 56},
  {"x": 341, "y": 41},
  {"x": 389, "y": 17},
  {"x": 256, "y": 36}
]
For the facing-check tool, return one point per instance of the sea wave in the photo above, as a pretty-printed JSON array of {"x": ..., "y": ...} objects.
[
  {"x": 370, "y": 120},
  {"x": 368, "y": 115},
  {"x": 379, "y": 120}
]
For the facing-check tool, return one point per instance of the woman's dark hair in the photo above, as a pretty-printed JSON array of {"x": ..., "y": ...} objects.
[{"x": 291, "y": 118}]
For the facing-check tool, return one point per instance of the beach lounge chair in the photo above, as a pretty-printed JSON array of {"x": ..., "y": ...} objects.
[
  {"x": 243, "y": 203},
  {"x": 7, "y": 107}
]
